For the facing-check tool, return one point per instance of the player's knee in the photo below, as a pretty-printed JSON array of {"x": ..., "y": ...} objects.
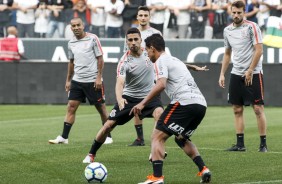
[
  {"x": 72, "y": 108},
  {"x": 158, "y": 112},
  {"x": 180, "y": 142},
  {"x": 238, "y": 110},
  {"x": 108, "y": 126},
  {"x": 154, "y": 136},
  {"x": 258, "y": 109},
  {"x": 159, "y": 136}
]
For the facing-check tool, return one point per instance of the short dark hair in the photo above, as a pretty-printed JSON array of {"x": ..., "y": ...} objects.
[
  {"x": 157, "y": 41},
  {"x": 239, "y": 4},
  {"x": 144, "y": 8},
  {"x": 77, "y": 18},
  {"x": 133, "y": 30}
]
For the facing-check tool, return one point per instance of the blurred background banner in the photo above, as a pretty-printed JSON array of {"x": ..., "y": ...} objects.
[
  {"x": 191, "y": 51},
  {"x": 44, "y": 83},
  {"x": 273, "y": 37}
]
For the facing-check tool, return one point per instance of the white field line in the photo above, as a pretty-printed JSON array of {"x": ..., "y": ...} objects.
[
  {"x": 96, "y": 114},
  {"x": 46, "y": 118},
  {"x": 217, "y": 149},
  {"x": 261, "y": 182}
]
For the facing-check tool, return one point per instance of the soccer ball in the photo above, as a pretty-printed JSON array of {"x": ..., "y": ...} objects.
[{"x": 96, "y": 172}]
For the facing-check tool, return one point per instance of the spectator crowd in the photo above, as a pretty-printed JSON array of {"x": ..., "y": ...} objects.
[{"x": 111, "y": 18}]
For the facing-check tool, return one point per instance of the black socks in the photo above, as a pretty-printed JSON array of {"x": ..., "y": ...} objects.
[
  {"x": 95, "y": 147},
  {"x": 199, "y": 162},
  {"x": 158, "y": 168},
  {"x": 240, "y": 140},
  {"x": 66, "y": 130},
  {"x": 139, "y": 131}
]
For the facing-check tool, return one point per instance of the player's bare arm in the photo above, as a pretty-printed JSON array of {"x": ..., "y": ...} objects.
[
  {"x": 224, "y": 66},
  {"x": 98, "y": 82},
  {"x": 157, "y": 89},
  {"x": 256, "y": 57},
  {"x": 196, "y": 68},
  {"x": 69, "y": 75},
  {"x": 119, "y": 89}
]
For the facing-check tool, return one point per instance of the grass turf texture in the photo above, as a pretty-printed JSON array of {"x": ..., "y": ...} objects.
[{"x": 26, "y": 156}]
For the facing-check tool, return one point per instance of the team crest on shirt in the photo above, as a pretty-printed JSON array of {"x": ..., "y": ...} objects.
[
  {"x": 244, "y": 33},
  {"x": 192, "y": 84},
  {"x": 148, "y": 62},
  {"x": 129, "y": 59}
]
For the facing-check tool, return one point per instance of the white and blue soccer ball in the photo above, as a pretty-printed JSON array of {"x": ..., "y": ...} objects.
[{"x": 96, "y": 172}]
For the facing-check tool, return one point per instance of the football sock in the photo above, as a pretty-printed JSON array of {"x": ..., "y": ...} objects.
[
  {"x": 158, "y": 168},
  {"x": 66, "y": 130},
  {"x": 263, "y": 140},
  {"x": 240, "y": 139},
  {"x": 139, "y": 131},
  {"x": 95, "y": 146},
  {"x": 199, "y": 162}
]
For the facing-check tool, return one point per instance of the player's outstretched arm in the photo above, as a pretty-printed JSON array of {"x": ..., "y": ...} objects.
[{"x": 196, "y": 68}]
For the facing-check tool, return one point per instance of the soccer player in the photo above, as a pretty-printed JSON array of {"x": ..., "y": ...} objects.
[
  {"x": 181, "y": 117},
  {"x": 135, "y": 79},
  {"x": 244, "y": 39},
  {"x": 143, "y": 17},
  {"x": 84, "y": 77}
]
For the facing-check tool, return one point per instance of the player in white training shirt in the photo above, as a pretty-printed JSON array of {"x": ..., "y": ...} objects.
[
  {"x": 244, "y": 39},
  {"x": 181, "y": 117},
  {"x": 84, "y": 77},
  {"x": 143, "y": 17},
  {"x": 135, "y": 79}
]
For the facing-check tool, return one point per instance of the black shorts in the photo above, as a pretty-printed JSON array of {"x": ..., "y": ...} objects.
[
  {"x": 80, "y": 91},
  {"x": 181, "y": 119},
  {"x": 122, "y": 117},
  {"x": 240, "y": 94}
]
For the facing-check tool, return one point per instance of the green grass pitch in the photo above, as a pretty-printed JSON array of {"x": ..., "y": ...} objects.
[{"x": 27, "y": 158}]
